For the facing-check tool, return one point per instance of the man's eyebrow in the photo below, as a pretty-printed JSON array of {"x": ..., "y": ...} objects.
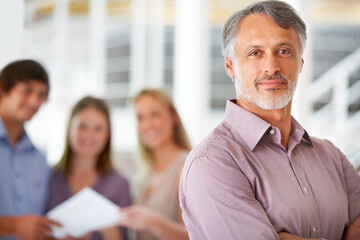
[
  {"x": 248, "y": 48},
  {"x": 286, "y": 44},
  {"x": 259, "y": 46}
]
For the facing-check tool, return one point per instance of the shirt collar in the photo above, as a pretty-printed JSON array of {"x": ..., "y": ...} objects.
[
  {"x": 299, "y": 133},
  {"x": 24, "y": 142},
  {"x": 3, "y": 132},
  {"x": 252, "y": 128}
]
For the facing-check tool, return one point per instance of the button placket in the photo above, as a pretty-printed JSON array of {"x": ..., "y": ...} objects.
[{"x": 315, "y": 228}]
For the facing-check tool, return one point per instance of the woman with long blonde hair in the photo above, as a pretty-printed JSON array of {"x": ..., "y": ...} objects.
[{"x": 164, "y": 146}]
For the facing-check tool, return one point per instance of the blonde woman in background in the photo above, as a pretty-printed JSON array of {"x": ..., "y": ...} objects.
[
  {"x": 86, "y": 162},
  {"x": 164, "y": 146}
]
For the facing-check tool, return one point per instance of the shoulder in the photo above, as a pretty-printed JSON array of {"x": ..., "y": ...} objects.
[
  {"x": 320, "y": 142},
  {"x": 57, "y": 177},
  {"x": 222, "y": 144},
  {"x": 326, "y": 147},
  {"x": 57, "y": 173},
  {"x": 220, "y": 154},
  {"x": 329, "y": 155},
  {"x": 214, "y": 168}
]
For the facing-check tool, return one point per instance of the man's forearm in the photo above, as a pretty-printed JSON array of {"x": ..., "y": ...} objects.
[{"x": 353, "y": 231}]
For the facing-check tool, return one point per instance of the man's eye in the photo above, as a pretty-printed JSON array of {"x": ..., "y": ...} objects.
[
  {"x": 42, "y": 96},
  {"x": 284, "y": 51},
  {"x": 254, "y": 53}
]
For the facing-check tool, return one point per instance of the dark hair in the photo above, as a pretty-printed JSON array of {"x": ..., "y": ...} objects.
[
  {"x": 282, "y": 13},
  {"x": 22, "y": 71},
  {"x": 104, "y": 163}
]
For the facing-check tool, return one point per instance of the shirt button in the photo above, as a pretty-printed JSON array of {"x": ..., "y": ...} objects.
[
  {"x": 314, "y": 229},
  {"x": 305, "y": 189},
  {"x": 272, "y": 131}
]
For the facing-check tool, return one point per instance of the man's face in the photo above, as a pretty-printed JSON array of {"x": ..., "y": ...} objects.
[
  {"x": 23, "y": 100},
  {"x": 267, "y": 63}
]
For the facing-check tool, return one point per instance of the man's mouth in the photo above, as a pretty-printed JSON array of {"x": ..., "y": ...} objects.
[{"x": 274, "y": 83}]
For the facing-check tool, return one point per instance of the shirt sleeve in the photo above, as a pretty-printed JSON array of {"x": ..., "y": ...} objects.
[
  {"x": 218, "y": 202},
  {"x": 352, "y": 179}
]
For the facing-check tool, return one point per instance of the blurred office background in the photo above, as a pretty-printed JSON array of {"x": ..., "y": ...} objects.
[{"x": 113, "y": 48}]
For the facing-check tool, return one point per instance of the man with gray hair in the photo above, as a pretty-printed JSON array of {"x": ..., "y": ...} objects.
[{"x": 259, "y": 175}]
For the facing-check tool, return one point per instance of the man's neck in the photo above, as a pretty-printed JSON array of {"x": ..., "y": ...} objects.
[
  {"x": 280, "y": 118},
  {"x": 14, "y": 130}
]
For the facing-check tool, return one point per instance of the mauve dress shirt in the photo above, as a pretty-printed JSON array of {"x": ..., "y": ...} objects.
[{"x": 241, "y": 183}]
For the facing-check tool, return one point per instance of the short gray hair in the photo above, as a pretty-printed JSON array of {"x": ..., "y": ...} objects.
[{"x": 282, "y": 13}]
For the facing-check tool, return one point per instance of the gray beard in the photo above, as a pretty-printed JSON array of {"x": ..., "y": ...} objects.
[
  {"x": 253, "y": 96},
  {"x": 268, "y": 103}
]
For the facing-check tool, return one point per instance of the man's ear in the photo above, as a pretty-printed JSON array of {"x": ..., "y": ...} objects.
[
  {"x": 302, "y": 64},
  {"x": 229, "y": 67}
]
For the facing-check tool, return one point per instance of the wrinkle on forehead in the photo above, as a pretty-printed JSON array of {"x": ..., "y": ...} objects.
[{"x": 259, "y": 30}]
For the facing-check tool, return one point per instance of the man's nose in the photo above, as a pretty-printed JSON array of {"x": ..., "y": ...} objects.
[{"x": 271, "y": 64}]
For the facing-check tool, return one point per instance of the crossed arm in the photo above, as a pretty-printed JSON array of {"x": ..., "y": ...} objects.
[
  {"x": 351, "y": 233},
  {"x": 235, "y": 212}
]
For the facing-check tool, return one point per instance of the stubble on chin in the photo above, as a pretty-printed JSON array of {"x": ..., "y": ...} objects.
[
  {"x": 273, "y": 98},
  {"x": 270, "y": 99}
]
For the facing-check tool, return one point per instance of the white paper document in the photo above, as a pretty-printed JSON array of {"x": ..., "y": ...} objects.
[{"x": 85, "y": 212}]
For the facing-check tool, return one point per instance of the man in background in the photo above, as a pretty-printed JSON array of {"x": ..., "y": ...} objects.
[
  {"x": 259, "y": 175},
  {"x": 24, "y": 87}
]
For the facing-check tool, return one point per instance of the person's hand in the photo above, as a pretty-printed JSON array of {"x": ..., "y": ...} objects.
[
  {"x": 137, "y": 217},
  {"x": 353, "y": 231},
  {"x": 68, "y": 237},
  {"x": 288, "y": 236},
  {"x": 85, "y": 237},
  {"x": 33, "y": 227}
]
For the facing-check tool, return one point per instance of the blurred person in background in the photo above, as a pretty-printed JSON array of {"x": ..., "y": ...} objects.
[
  {"x": 164, "y": 146},
  {"x": 86, "y": 162},
  {"x": 24, "y": 173},
  {"x": 259, "y": 174}
]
